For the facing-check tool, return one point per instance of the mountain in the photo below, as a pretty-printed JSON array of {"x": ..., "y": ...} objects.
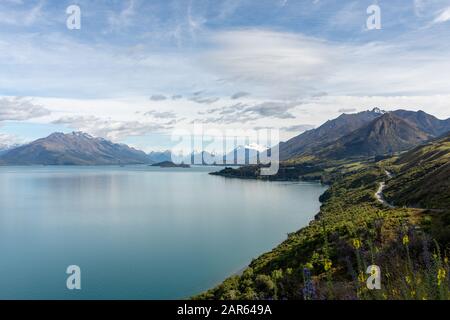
[
  {"x": 326, "y": 133},
  {"x": 75, "y": 148},
  {"x": 425, "y": 122},
  {"x": 157, "y": 157},
  {"x": 195, "y": 158},
  {"x": 244, "y": 154},
  {"x": 239, "y": 156},
  {"x": 5, "y": 148},
  {"x": 367, "y": 133},
  {"x": 384, "y": 135}
]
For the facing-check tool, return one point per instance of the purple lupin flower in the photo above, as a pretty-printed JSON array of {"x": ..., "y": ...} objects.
[{"x": 309, "y": 291}]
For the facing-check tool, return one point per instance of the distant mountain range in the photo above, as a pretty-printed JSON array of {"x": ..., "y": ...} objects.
[
  {"x": 239, "y": 156},
  {"x": 5, "y": 148},
  {"x": 157, "y": 156},
  {"x": 368, "y": 133},
  {"x": 78, "y": 148},
  {"x": 75, "y": 148}
]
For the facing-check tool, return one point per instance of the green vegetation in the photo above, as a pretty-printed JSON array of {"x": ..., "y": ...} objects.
[
  {"x": 421, "y": 177},
  {"x": 328, "y": 259}
]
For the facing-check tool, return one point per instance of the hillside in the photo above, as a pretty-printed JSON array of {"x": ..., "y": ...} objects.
[
  {"x": 72, "y": 149},
  {"x": 422, "y": 176},
  {"x": 328, "y": 258}
]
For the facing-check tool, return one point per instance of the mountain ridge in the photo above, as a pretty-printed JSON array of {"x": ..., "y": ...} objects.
[
  {"x": 340, "y": 137},
  {"x": 386, "y": 134},
  {"x": 368, "y": 133},
  {"x": 330, "y": 131},
  {"x": 76, "y": 148}
]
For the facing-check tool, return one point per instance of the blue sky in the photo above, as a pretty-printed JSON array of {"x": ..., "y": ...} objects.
[{"x": 138, "y": 69}]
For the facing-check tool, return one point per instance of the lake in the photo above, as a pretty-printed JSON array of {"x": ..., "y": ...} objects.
[{"x": 138, "y": 232}]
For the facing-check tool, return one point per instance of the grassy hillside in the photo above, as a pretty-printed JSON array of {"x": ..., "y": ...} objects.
[
  {"x": 422, "y": 177},
  {"x": 328, "y": 259}
]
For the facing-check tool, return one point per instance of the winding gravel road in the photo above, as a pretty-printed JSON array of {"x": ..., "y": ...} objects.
[{"x": 379, "y": 194}]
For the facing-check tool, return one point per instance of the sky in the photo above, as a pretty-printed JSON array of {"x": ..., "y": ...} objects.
[{"x": 138, "y": 70}]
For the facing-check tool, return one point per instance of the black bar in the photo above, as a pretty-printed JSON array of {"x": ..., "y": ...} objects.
[{"x": 162, "y": 310}]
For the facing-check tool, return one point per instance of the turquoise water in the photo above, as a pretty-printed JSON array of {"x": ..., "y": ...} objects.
[{"x": 138, "y": 232}]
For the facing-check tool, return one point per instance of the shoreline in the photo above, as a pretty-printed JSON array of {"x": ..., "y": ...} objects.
[{"x": 314, "y": 218}]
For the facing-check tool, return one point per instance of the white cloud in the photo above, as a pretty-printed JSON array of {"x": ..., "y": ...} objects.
[
  {"x": 240, "y": 94},
  {"x": 420, "y": 6},
  {"x": 19, "y": 109},
  {"x": 267, "y": 59},
  {"x": 269, "y": 64},
  {"x": 244, "y": 113},
  {"x": 443, "y": 16},
  {"x": 119, "y": 119},
  {"x": 114, "y": 130},
  {"x": 123, "y": 19},
  {"x": 18, "y": 17},
  {"x": 272, "y": 65},
  {"x": 161, "y": 114},
  {"x": 8, "y": 141},
  {"x": 285, "y": 65},
  {"x": 158, "y": 97},
  {"x": 298, "y": 128},
  {"x": 55, "y": 65},
  {"x": 195, "y": 22}
]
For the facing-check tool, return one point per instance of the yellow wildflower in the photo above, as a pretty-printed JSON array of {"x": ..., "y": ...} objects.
[
  {"x": 408, "y": 279},
  {"x": 405, "y": 240},
  {"x": 441, "y": 276},
  {"x": 356, "y": 244},
  {"x": 327, "y": 265},
  {"x": 361, "y": 277},
  {"x": 309, "y": 265}
]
